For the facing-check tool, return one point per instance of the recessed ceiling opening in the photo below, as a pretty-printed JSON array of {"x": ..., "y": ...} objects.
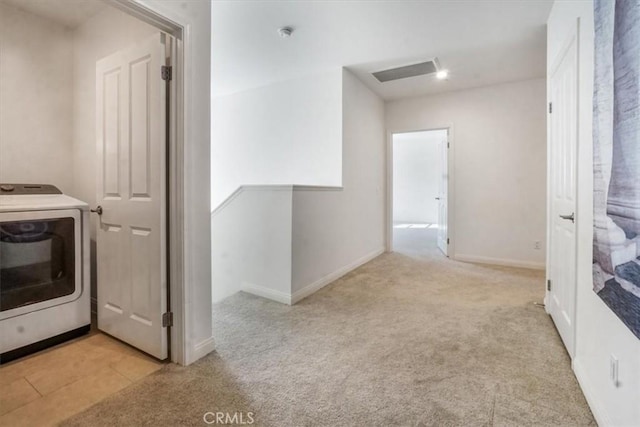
[{"x": 407, "y": 71}]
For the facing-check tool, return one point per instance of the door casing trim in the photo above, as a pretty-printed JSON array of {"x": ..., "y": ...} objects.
[{"x": 179, "y": 351}]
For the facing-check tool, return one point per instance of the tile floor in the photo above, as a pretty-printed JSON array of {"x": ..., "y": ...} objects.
[{"x": 50, "y": 386}]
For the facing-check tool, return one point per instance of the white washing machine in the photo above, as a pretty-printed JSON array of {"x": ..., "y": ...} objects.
[{"x": 44, "y": 269}]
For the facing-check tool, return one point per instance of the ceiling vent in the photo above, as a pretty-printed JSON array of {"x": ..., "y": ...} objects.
[{"x": 413, "y": 70}]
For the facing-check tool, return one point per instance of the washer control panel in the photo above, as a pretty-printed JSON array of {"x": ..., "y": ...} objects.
[{"x": 22, "y": 189}]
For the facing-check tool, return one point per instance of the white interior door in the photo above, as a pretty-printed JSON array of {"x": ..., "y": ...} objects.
[
  {"x": 131, "y": 189},
  {"x": 563, "y": 155},
  {"x": 443, "y": 186}
]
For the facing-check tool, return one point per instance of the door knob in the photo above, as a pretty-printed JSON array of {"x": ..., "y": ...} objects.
[
  {"x": 97, "y": 210},
  {"x": 571, "y": 217}
]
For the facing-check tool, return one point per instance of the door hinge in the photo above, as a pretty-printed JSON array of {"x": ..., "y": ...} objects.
[
  {"x": 448, "y": 145},
  {"x": 549, "y": 284},
  {"x": 167, "y": 319},
  {"x": 447, "y": 241},
  {"x": 166, "y": 72},
  {"x": 550, "y": 107}
]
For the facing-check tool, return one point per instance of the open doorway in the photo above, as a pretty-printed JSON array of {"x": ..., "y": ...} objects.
[{"x": 419, "y": 190}]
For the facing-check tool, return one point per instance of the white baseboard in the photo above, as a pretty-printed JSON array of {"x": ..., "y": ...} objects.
[
  {"x": 297, "y": 296},
  {"x": 201, "y": 349},
  {"x": 499, "y": 261},
  {"x": 596, "y": 408},
  {"x": 332, "y": 277},
  {"x": 268, "y": 293}
]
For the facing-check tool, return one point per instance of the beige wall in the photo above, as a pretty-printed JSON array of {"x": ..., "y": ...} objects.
[
  {"x": 35, "y": 100},
  {"x": 499, "y": 150}
]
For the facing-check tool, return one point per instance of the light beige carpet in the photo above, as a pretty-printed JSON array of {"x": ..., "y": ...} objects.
[{"x": 410, "y": 339}]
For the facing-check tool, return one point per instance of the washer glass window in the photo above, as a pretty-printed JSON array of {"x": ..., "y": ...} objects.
[{"x": 37, "y": 261}]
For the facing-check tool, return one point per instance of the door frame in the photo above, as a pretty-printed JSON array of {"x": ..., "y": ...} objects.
[
  {"x": 450, "y": 187},
  {"x": 177, "y": 289},
  {"x": 573, "y": 36}
]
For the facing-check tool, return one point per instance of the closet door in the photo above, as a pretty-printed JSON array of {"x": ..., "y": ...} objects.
[
  {"x": 131, "y": 191},
  {"x": 563, "y": 147}
]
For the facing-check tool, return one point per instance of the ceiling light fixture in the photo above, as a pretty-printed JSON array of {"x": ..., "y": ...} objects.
[
  {"x": 285, "y": 32},
  {"x": 442, "y": 74}
]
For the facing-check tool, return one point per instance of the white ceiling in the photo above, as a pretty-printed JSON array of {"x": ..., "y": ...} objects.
[
  {"x": 480, "y": 42},
  {"x": 69, "y": 13}
]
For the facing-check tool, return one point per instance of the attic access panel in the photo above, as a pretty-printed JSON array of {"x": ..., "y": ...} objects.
[{"x": 407, "y": 71}]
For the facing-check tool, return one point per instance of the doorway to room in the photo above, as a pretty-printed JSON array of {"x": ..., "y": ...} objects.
[{"x": 419, "y": 192}]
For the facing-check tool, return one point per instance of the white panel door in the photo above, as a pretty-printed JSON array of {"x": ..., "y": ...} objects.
[
  {"x": 443, "y": 197},
  {"x": 131, "y": 189},
  {"x": 562, "y": 160}
]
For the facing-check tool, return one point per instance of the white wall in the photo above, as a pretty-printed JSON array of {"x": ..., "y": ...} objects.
[
  {"x": 285, "y": 242},
  {"x": 335, "y": 230},
  {"x": 599, "y": 332},
  {"x": 285, "y": 133},
  {"x": 499, "y": 153},
  {"x": 252, "y": 250},
  {"x": 35, "y": 100},
  {"x": 416, "y": 170}
]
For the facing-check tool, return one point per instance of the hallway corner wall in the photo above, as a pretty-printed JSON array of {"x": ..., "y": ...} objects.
[{"x": 335, "y": 231}]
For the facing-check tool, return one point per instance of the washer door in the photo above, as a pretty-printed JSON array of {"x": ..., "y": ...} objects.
[{"x": 39, "y": 260}]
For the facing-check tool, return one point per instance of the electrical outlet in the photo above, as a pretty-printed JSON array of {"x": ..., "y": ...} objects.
[
  {"x": 537, "y": 245},
  {"x": 613, "y": 371}
]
